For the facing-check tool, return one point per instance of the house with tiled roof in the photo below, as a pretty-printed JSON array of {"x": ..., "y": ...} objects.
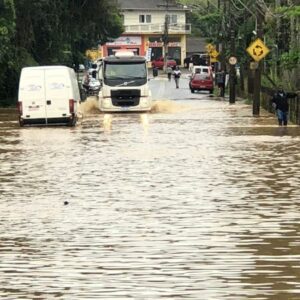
[{"x": 148, "y": 23}]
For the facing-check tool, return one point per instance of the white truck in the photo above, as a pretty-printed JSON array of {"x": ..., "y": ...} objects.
[
  {"x": 48, "y": 95},
  {"x": 124, "y": 83}
]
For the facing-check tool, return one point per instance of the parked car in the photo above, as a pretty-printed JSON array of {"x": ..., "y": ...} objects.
[
  {"x": 91, "y": 85},
  {"x": 94, "y": 86},
  {"x": 196, "y": 59},
  {"x": 159, "y": 63},
  {"x": 202, "y": 81}
]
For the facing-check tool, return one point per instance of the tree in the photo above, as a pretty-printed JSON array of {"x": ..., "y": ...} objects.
[
  {"x": 47, "y": 32},
  {"x": 7, "y": 30}
]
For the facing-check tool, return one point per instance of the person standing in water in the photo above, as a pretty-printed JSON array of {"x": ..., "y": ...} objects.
[{"x": 281, "y": 104}]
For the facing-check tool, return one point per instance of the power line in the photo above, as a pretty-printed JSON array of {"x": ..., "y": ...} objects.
[
  {"x": 246, "y": 7},
  {"x": 262, "y": 2},
  {"x": 234, "y": 4}
]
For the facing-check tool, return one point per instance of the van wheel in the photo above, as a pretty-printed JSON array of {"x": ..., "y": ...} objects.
[
  {"x": 72, "y": 122},
  {"x": 21, "y": 122}
]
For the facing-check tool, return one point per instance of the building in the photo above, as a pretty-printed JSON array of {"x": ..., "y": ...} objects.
[
  {"x": 147, "y": 23},
  {"x": 195, "y": 45}
]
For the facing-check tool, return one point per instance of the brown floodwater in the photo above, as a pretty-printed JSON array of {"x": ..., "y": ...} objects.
[{"x": 195, "y": 200}]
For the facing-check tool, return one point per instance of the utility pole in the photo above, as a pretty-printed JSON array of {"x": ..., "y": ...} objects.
[
  {"x": 232, "y": 71},
  {"x": 218, "y": 40},
  {"x": 257, "y": 73},
  {"x": 223, "y": 43},
  {"x": 165, "y": 36}
]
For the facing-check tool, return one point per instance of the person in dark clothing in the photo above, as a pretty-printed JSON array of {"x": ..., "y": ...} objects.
[
  {"x": 281, "y": 104},
  {"x": 169, "y": 72},
  {"x": 220, "y": 81}
]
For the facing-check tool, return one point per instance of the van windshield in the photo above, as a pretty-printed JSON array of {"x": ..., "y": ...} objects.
[{"x": 133, "y": 73}]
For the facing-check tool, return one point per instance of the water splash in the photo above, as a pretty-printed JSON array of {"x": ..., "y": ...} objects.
[
  {"x": 90, "y": 106},
  {"x": 167, "y": 106}
]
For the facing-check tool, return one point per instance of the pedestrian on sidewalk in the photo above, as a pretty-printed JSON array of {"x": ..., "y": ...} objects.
[
  {"x": 169, "y": 72},
  {"x": 220, "y": 81},
  {"x": 177, "y": 74},
  {"x": 281, "y": 105}
]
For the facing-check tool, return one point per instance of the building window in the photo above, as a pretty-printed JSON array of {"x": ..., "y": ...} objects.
[
  {"x": 172, "y": 19},
  {"x": 145, "y": 18},
  {"x": 122, "y": 19}
]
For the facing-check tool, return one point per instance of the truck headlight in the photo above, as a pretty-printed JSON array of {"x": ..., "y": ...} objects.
[{"x": 106, "y": 103}]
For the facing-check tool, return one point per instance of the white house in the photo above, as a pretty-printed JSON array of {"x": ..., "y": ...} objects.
[{"x": 147, "y": 24}]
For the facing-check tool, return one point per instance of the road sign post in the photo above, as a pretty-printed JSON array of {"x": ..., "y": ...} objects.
[{"x": 257, "y": 50}]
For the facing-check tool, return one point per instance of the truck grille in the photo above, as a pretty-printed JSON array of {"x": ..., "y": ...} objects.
[{"x": 125, "y": 97}]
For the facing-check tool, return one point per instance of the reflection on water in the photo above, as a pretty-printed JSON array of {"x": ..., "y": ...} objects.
[
  {"x": 203, "y": 206},
  {"x": 107, "y": 122}
]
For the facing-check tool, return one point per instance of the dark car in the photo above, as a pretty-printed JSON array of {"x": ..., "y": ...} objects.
[
  {"x": 159, "y": 63},
  {"x": 196, "y": 59},
  {"x": 202, "y": 82}
]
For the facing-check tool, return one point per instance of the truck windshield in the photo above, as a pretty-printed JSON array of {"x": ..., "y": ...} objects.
[{"x": 120, "y": 72}]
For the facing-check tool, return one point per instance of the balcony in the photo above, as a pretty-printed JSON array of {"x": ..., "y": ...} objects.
[{"x": 158, "y": 28}]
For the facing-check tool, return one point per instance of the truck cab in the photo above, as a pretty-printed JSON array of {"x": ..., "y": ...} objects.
[{"x": 124, "y": 80}]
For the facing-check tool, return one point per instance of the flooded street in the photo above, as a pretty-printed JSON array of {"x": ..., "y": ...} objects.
[{"x": 195, "y": 200}]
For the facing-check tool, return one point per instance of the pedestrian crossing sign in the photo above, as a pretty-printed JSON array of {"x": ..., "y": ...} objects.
[{"x": 258, "y": 50}]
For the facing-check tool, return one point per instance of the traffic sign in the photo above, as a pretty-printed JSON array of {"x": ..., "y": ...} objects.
[
  {"x": 210, "y": 47},
  {"x": 258, "y": 50},
  {"x": 214, "y": 53}
]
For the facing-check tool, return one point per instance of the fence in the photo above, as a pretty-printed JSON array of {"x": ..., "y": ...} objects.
[{"x": 294, "y": 107}]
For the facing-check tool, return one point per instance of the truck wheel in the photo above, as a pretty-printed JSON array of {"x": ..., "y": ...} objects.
[{"x": 192, "y": 91}]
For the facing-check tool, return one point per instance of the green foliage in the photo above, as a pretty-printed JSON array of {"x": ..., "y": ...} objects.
[
  {"x": 40, "y": 32},
  {"x": 290, "y": 60},
  {"x": 7, "y": 31},
  {"x": 293, "y": 11}
]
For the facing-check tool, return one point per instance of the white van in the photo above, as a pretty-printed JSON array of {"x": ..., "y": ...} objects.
[
  {"x": 48, "y": 95},
  {"x": 206, "y": 70}
]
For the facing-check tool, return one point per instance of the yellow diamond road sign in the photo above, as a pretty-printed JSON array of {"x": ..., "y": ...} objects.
[
  {"x": 258, "y": 50},
  {"x": 214, "y": 53}
]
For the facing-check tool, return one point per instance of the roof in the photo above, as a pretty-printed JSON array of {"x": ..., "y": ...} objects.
[
  {"x": 149, "y": 5},
  {"x": 195, "y": 44}
]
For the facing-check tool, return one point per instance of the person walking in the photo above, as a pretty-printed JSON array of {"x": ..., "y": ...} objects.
[
  {"x": 220, "y": 81},
  {"x": 169, "y": 72},
  {"x": 281, "y": 105},
  {"x": 177, "y": 74}
]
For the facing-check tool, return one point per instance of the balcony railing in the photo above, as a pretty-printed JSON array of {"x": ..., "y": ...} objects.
[{"x": 158, "y": 28}]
